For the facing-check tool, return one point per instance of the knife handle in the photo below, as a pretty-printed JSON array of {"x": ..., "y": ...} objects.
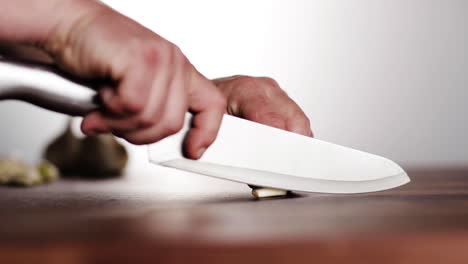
[{"x": 47, "y": 87}]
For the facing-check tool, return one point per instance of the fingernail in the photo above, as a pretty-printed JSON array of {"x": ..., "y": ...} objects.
[
  {"x": 90, "y": 133},
  {"x": 200, "y": 152},
  {"x": 299, "y": 130},
  {"x": 96, "y": 131}
]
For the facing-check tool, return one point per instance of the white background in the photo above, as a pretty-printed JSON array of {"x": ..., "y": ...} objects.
[{"x": 388, "y": 77}]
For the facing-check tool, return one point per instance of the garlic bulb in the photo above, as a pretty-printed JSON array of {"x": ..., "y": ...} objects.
[
  {"x": 96, "y": 156},
  {"x": 101, "y": 155},
  {"x": 64, "y": 150}
]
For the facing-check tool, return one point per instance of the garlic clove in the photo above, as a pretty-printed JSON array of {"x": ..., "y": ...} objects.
[
  {"x": 29, "y": 177},
  {"x": 16, "y": 172},
  {"x": 10, "y": 168},
  {"x": 264, "y": 192},
  {"x": 48, "y": 171}
]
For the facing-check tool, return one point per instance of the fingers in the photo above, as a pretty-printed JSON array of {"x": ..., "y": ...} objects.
[
  {"x": 208, "y": 106},
  {"x": 264, "y": 114},
  {"x": 262, "y": 100},
  {"x": 165, "y": 86},
  {"x": 172, "y": 93},
  {"x": 152, "y": 109},
  {"x": 155, "y": 85},
  {"x": 300, "y": 124},
  {"x": 171, "y": 116},
  {"x": 141, "y": 87},
  {"x": 288, "y": 117},
  {"x": 137, "y": 83},
  {"x": 94, "y": 123},
  {"x": 205, "y": 126}
]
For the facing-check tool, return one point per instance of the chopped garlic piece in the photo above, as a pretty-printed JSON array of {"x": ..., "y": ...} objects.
[
  {"x": 48, "y": 171},
  {"x": 261, "y": 192},
  {"x": 16, "y": 172}
]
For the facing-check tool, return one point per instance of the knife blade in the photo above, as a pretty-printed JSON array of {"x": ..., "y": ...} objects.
[
  {"x": 243, "y": 151},
  {"x": 256, "y": 154}
]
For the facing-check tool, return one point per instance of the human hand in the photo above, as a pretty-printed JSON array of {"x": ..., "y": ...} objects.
[
  {"x": 151, "y": 84},
  {"x": 262, "y": 100}
]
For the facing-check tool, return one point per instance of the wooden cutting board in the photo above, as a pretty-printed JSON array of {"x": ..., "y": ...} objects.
[{"x": 166, "y": 217}]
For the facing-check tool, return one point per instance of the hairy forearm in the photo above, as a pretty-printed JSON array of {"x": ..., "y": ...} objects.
[{"x": 33, "y": 21}]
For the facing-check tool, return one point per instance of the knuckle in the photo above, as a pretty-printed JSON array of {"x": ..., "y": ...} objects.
[
  {"x": 299, "y": 117},
  {"x": 165, "y": 49},
  {"x": 132, "y": 105},
  {"x": 220, "y": 101},
  {"x": 146, "y": 121},
  {"x": 151, "y": 55},
  {"x": 273, "y": 117},
  {"x": 147, "y": 53},
  {"x": 178, "y": 56},
  {"x": 211, "y": 134},
  {"x": 174, "y": 126},
  {"x": 262, "y": 87},
  {"x": 217, "y": 98},
  {"x": 269, "y": 81},
  {"x": 248, "y": 82},
  {"x": 176, "y": 50}
]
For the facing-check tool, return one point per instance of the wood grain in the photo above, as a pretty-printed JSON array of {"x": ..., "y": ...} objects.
[{"x": 194, "y": 219}]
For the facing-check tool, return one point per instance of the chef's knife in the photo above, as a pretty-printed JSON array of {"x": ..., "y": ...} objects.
[{"x": 243, "y": 151}]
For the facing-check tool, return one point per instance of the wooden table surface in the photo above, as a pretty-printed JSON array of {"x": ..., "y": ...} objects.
[{"x": 160, "y": 216}]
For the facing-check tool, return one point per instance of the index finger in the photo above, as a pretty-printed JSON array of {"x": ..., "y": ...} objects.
[{"x": 208, "y": 106}]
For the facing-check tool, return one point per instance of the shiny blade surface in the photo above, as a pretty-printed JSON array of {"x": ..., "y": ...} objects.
[{"x": 256, "y": 154}]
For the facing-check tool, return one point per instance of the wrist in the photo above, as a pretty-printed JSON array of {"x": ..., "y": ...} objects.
[
  {"x": 72, "y": 14},
  {"x": 32, "y": 21}
]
